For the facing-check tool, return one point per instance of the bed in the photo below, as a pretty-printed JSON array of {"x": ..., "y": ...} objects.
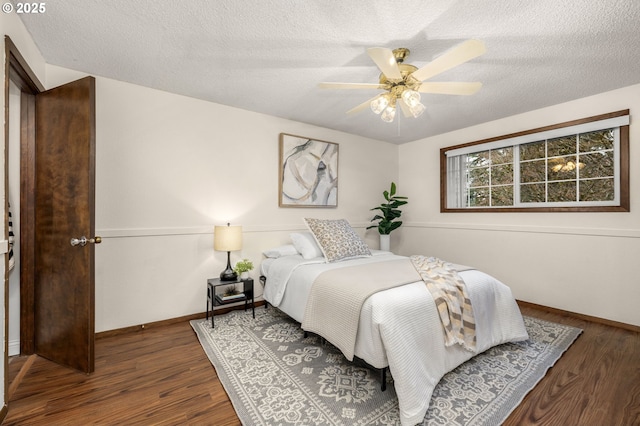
[{"x": 399, "y": 328}]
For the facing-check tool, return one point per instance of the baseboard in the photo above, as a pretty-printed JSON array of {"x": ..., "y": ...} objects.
[
  {"x": 590, "y": 318},
  {"x": 155, "y": 324},
  {"x": 14, "y": 347}
]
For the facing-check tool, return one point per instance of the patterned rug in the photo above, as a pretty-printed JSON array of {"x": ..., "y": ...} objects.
[{"x": 275, "y": 376}]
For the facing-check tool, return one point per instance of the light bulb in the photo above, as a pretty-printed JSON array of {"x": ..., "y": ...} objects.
[
  {"x": 411, "y": 98},
  {"x": 417, "y": 110},
  {"x": 388, "y": 114},
  {"x": 379, "y": 104}
]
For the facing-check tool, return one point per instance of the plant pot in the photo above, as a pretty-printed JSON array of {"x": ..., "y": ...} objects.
[
  {"x": 385, "y": 242},
  {"x": 244, "y": 275}
]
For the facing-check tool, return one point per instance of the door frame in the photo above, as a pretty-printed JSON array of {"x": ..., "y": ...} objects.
[{"x": 17, "y": 70}]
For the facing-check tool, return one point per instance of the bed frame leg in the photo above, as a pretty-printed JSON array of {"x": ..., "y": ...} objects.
[
  {"x": 383, "y": 379},
  {"x": 305, "y": 334},
  {"x": 263, "y": 280}
]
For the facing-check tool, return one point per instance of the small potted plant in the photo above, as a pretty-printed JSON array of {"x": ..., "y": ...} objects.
[
  {"x": 242, "y": 268},
  {"x": 230, "y": 291},
  {"x": 388, "y": 221}
]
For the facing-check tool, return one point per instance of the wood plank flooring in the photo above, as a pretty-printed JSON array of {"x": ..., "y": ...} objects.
[{"x": 161, "y": 376}]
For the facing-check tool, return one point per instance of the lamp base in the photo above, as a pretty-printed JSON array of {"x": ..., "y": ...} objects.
[{"x": 228, "y": 275}]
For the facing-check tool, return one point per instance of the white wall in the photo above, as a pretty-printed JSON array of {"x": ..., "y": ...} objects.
[
  {"x": 579, "y": 262},
  {"x": 169, "y": 168}
]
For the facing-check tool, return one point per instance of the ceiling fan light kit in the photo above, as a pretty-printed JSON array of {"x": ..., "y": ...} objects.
[
  {"x": 389, "y": 113},
  {"x": 404, "y": 82},
  {"x": 379, "y": 103},
  {"x": 417, "y": 110},
  {"x": 410, "y": 97}
]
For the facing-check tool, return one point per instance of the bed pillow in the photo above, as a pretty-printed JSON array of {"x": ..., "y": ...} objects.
[
  {"x": 306, "y": 245},
  {"x": 276, "y": 252},
  {"x": 337, "y": 239}
]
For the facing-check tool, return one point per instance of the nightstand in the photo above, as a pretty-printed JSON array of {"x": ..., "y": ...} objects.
[{"x": 216, "y": 298}]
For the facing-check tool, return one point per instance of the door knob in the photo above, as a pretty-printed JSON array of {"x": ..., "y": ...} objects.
[{"x": 82, "y": 241}]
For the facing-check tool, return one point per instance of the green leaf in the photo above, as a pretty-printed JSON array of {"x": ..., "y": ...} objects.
[
  {"x": 389, "y": 211},
  {"x": 395, "y": 225}
]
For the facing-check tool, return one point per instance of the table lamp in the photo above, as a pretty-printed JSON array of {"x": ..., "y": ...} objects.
[{"x": 227, "y": 238}]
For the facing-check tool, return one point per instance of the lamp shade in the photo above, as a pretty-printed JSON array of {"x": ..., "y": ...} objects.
[{"x": 227, "y": 238}]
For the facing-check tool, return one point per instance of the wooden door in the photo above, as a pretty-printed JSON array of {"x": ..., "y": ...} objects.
[{"x": 64, "y": 292}]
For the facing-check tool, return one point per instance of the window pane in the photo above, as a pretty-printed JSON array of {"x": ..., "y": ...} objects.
[
  {"x": 533, "y": 171},
  {"x": 562, "y": 168},
  {"x": 502, "y": 175},
  {"x": 478, "y": 177},
  {"x": 561, "y": 146},
  {"x": 533, "y": 150},
  {"x": 479, "y": 197},
  {"x": 597, "y": 190},
  {"x": 478, "y": 159},
  {"x": 502, "y": 155},
  {"x": 596, "y": 141},
  {"x": 502, "y": 195},
  {"x": 562, "y": 191},
  {"x": 597, "y": 164},
  {"x": 533, "y": 193}
]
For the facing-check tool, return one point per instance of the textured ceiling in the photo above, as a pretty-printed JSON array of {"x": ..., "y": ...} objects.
[{"x": 269, "y": 55}]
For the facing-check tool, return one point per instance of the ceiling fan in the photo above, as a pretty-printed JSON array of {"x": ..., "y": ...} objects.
[{"x": 403, "y": 83}]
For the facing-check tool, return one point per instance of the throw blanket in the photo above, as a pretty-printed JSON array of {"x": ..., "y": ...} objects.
[
  {"x": 336, "y": 298},
  {"x": 452, "y": 301}
]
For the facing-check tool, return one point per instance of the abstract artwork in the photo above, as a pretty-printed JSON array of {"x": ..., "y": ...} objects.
[{"x": 308, "y": 172}]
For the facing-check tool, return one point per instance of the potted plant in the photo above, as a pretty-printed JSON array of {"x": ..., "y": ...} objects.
[
  {"x": 387, "y": 220},
  {"x": 230, "y": 291},
  {"x": 242, "y": 268}
]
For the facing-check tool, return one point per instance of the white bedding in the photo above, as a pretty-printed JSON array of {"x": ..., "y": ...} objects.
[{"x": 400, "y": 327}]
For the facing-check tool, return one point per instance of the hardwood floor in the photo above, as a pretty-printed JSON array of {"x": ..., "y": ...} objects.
[{"x": 161, "y": 376}]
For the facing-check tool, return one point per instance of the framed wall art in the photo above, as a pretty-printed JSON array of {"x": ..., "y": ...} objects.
[{"x": 308, "y": 172}]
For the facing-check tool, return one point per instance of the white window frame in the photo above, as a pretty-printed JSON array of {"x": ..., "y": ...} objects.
[{"x": 453, "y": 166}]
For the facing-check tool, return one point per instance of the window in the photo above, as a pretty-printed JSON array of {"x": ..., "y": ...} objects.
[{"x": 581, "y": 165}]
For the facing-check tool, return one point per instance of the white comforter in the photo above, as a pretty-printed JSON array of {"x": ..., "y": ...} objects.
[{"x": 400, "y": 327}]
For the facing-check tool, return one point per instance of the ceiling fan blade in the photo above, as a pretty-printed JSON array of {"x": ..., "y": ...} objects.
[
  {"x": 450, "y": 87},
  {"x": 459, "y": 54},
  {"x": 351, "y": 86},
  {"x": 364, "y": 105},
  {"x": 385, "y": 60}
]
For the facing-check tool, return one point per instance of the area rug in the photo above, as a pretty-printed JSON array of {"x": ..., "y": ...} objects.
[{"x": 275, "y": 376}]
